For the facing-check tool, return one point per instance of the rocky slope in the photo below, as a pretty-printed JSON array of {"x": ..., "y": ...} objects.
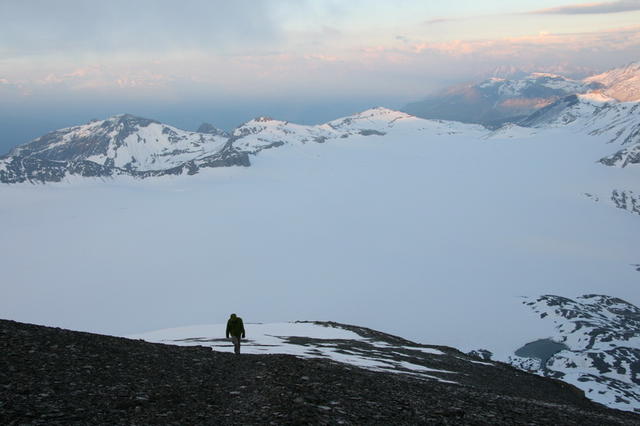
[
  {"x": 53, "y": 376},
  {"x": 595, "y": 348}
]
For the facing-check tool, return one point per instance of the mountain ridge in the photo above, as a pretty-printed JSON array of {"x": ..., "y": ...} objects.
[
  {"x": 128, "y": 145},
  {"x": 498, "y": 100}
]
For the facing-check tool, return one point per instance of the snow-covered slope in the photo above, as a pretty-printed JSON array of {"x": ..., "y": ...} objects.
[
  {"x": 128, "y": 145},
  {"x": 621, "y": 83},
  {"x": 264, "y": 132},
  {"x": 595, "y": 346},
  {"x": 596, "y": 115},
  {"x": 593, "y": 116},
  {"x": 122, "y": 144},
  {"x": 495, "y": 101},
  {"x": 535, "y": 86},
  {"x": 498, "y": 100},
  {"x": 352, "y": 345}
]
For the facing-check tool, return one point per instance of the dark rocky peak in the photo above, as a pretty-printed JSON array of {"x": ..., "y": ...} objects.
[
  {"x": 508, "y": 71},
  {"x": 210, "y": 129},
  {"x": 263, "y": 119},
  {"x": 255, "y": 126},
  {"x": 125, "y": 124},
  {"x": 130, "y": 120}
]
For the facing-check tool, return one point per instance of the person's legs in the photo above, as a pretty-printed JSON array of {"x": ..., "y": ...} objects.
[{"x": 236, "y": 344}]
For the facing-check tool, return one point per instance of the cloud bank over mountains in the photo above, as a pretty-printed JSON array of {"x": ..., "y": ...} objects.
[{"x": 262, "y": 47}]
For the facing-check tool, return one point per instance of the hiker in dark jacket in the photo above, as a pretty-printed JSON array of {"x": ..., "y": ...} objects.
[{"x": 235, "y": 328}]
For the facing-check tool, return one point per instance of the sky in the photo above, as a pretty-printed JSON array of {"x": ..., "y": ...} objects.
[{"x": 185, "y": 62}]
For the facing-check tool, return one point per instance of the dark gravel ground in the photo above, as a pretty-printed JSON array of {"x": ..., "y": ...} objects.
[{"x": 51, "y": 376}]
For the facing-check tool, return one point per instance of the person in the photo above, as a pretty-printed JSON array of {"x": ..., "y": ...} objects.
[{"x": 235, "y": 328}]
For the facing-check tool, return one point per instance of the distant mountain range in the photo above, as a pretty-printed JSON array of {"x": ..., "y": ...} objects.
[
  {"x": 495, "y": 101},
  {"x": 143, "y": 148}
]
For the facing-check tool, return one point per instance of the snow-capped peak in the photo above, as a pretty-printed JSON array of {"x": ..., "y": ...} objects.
[
  {"x": 546, "y": 74},
  {"x": 596, "y": 97},
  {"x": 516, "y": 86},
  {"x": 371, "y": 119},
  {"x": 621, "y": 83},
  {"x": 122, "y": 143}
]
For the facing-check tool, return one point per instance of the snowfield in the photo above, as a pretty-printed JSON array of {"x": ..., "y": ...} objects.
[{"x": 319, "y": 342}]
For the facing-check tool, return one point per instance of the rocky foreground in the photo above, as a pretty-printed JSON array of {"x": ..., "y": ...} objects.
[{"x": 60, "y": 377}]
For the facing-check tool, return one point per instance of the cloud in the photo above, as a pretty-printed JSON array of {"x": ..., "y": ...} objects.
[
  {"x": 614, "y": 39},
  {"x": 591, "y": 8},
  {"x": 68, "y": 26},
  {"x": 435, "y": 21}
]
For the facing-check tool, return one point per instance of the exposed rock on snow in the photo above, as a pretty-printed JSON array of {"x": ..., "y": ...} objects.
[
  {"x": 596, "y": 347},
  {"x": 352, "y": 345},
  {"x": 626, "y": 200},
  {"x": 212, "y": 130},
  {"x": 619, "y": 122},
  {"x": 128, "y": 145},
  {"x": 624, "y": 157},
  {"x": 122, "y": 144}
]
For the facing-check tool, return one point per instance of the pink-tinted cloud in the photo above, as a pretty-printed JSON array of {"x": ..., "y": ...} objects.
[
  {"x": 615, "y": 39},
  {"x": 399, "y": 66},
  {"x": 435, "y": 21}
]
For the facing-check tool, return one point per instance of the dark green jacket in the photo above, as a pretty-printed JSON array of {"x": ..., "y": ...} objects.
[{"x": 235, "y": 327}]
